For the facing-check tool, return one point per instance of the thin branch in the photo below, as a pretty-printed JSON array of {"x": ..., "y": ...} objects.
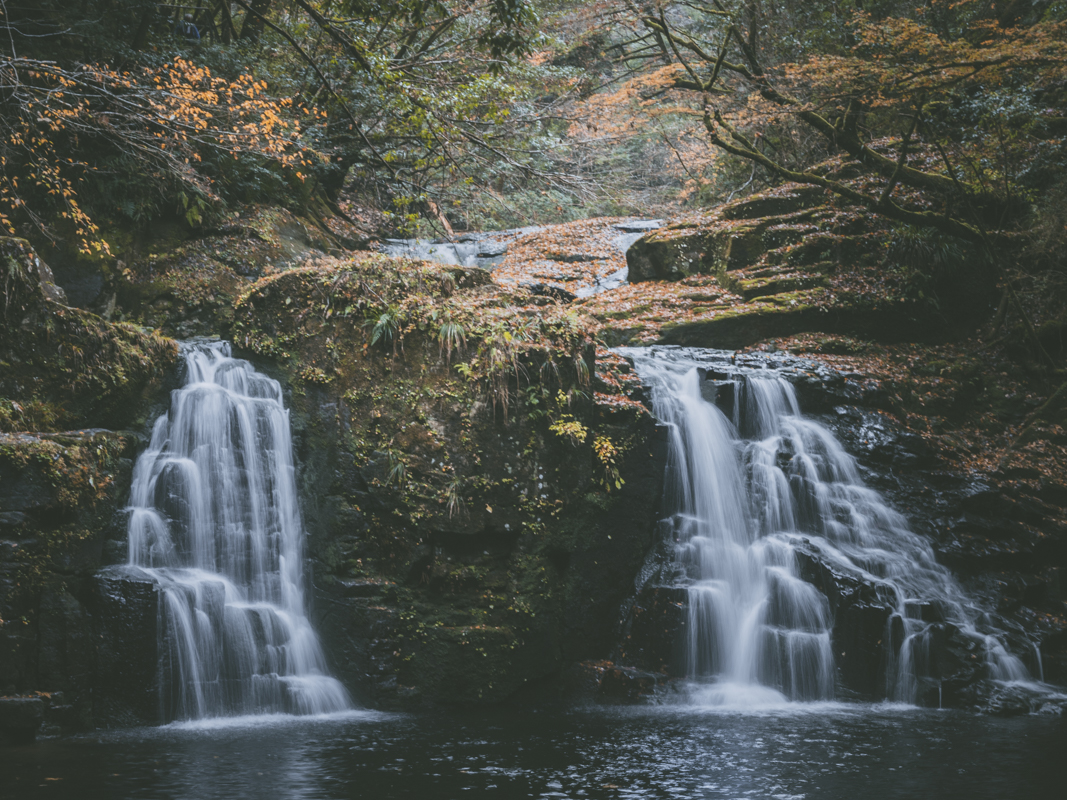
[{"x": 325, "y": 82}]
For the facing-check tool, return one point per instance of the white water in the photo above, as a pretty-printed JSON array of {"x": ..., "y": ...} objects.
[
  {"x": 215, "y": 521},
  {"x": 744, "y": 494}
]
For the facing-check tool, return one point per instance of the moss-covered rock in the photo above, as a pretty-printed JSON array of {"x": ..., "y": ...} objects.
[
  {"x": 477, "y": 508},
  {"x": 62, "y": 492},
  {"x": 63, "y": 367},
  {"x": 731, "y": 236},
  {"x": 790, "y": 260},
  {"x": 185, "y": 283}
]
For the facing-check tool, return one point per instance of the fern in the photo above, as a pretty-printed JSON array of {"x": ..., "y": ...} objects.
[
  {"x": 451, "y": 336},
  {"x": 385, "y": 328}
]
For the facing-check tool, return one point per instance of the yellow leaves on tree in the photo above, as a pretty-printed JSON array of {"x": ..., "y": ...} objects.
[
  {"x": 55, "y": 122},
  {"x": 901, "y": 58}
]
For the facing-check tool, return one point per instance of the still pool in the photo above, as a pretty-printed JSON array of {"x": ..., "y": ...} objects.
[{"x": 812, "y": 752}]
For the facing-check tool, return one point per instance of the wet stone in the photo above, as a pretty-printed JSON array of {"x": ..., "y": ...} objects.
[{"x": 639, "y": 226}]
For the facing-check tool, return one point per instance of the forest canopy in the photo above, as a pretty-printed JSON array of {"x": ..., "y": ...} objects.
[
  {"x": 452, "y": 114},
  {"x": 419, "y": 99}
]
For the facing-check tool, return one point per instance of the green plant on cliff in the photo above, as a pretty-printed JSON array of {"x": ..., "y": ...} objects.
[
  {"x": 609, "y": 455},
  {"x": 385, "y": 329},
  {"x": 451, "y": 335}
]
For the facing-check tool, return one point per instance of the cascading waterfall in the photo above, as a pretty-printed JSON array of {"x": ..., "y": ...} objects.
[
  {"x": 744, "y": 494},
  {"x": 215, "y": 521}
]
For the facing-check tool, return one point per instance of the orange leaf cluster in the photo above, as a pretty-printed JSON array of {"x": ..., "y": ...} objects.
[{"x": 167, "y": 118}]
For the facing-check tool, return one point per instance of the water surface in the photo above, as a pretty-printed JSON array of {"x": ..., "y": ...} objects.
[{"x": 818, "y": 751}]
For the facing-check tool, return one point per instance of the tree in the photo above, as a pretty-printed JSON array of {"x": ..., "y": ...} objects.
[
  {"x": 425, "y": 98},
  {"x": 61, "y": 127},
  {"x": 422, "y": 99},
  {"x": 883, "y": 102}
]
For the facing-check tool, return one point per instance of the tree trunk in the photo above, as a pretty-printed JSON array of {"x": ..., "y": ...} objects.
[
  {"x": 226, "y": 28},
  {"x": 140, "y": 36},
  {"x": 252, "y": 28}
]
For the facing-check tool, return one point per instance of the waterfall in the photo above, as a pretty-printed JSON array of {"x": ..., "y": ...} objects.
[
  {"x": 744, "y": 494},
  {"x": 215, "y": 521}
]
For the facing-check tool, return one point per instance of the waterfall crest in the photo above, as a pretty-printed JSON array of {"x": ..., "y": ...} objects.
[
  {"x": 215, "y": 521},
  {"x": 744, "y": 494}
]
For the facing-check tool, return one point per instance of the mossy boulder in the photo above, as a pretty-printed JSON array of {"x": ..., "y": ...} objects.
[
  {"x": 797, "y": 259},
  {"x": 477, "y": 509},
  {"x": 185, "y": 282},
  {"x": 791, "y": 312},
  {"x": 732, "y": 236}
]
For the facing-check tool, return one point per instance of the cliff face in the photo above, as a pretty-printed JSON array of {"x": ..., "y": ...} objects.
[
  {"x": 476, "y": 517},
  {"x": 64, "y": 629},
  {"x": 480, "y": 480},
  {"x": 953, "y": 421},
  {"x": 478, "y": 492}
]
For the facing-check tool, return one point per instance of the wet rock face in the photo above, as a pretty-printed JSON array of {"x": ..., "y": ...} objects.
[
  {"x": 732, "y": 237},
  {"x": 67, "y": 628},
  {"x": 617, "y": 684},
  {"x": 485, "y": 604},
  {"x": 185, "y": 285},
  {"x": 64, "y": 628},
  {"x": 124, "y": 611},
  {"x": 89, "y": 644},
  {"x": 1004, "y": 539},
  {"x": 860, "y": 629},
  {"x": 60, "y": 501},
  {"x": 654, "y": 632}
]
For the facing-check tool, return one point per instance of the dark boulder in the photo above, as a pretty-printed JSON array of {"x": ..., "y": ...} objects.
[
  {"x": 655, "y": 628},
  {"x": 861, "y": 622},
  {"x": 125, "y": 608},
  {"x": 20, "y": 719}
]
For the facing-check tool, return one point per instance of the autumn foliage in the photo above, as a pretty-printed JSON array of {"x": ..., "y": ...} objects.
[{"x": 61, "y": 127}]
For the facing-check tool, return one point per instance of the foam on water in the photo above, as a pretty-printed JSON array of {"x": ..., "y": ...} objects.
[{"x": 270, "y": 720}]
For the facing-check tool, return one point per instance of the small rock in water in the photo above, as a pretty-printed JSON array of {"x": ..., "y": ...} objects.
[{"x": 639, "y": 226}]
